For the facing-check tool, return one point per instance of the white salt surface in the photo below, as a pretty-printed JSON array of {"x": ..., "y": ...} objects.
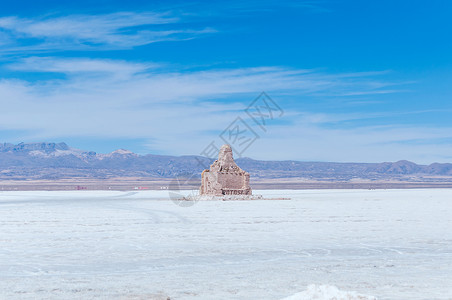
[
  {"x": 391, "y": 244},
  {"x": 326, "y": 292}
]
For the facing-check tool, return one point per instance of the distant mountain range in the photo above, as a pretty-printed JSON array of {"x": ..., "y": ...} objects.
[{"x": 59, "y": 161}]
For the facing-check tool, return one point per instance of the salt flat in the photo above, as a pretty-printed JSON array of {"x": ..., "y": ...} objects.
[{"x": 392, "y": 244}]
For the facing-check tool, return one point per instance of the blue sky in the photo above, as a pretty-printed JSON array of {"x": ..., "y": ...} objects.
[{"x": 361, "y": 81}]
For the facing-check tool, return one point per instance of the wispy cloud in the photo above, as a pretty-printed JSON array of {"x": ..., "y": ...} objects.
[
  {"x": 311, "y": 142},
  {"x": 167, "y": 85},
  {"x": 182, "y": 111},
  {"x": 121, "y": 30},
  {"x": 85, "y": 67}
]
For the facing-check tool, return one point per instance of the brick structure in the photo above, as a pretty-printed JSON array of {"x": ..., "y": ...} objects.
[{"x": 224, "y": 177}]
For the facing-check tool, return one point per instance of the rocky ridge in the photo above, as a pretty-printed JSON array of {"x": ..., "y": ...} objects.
[{"x": 58, "y": 160}]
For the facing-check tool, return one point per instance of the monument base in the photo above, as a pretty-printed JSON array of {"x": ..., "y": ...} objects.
[
  {"x": 229, "y": 197},
  {"x": 196, "y": 198}
]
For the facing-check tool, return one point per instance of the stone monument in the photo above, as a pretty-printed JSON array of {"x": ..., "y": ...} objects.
[{"x": 224, "y": 177}]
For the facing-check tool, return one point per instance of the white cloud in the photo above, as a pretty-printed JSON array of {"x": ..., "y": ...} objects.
[
  {"x": 150, "y": 83},
  {"x": 121, "y": 30},
  {"x": 311, "y": 142},
  {"x": 181, "y": 112},
  {"x": 82, "y": 67}
]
